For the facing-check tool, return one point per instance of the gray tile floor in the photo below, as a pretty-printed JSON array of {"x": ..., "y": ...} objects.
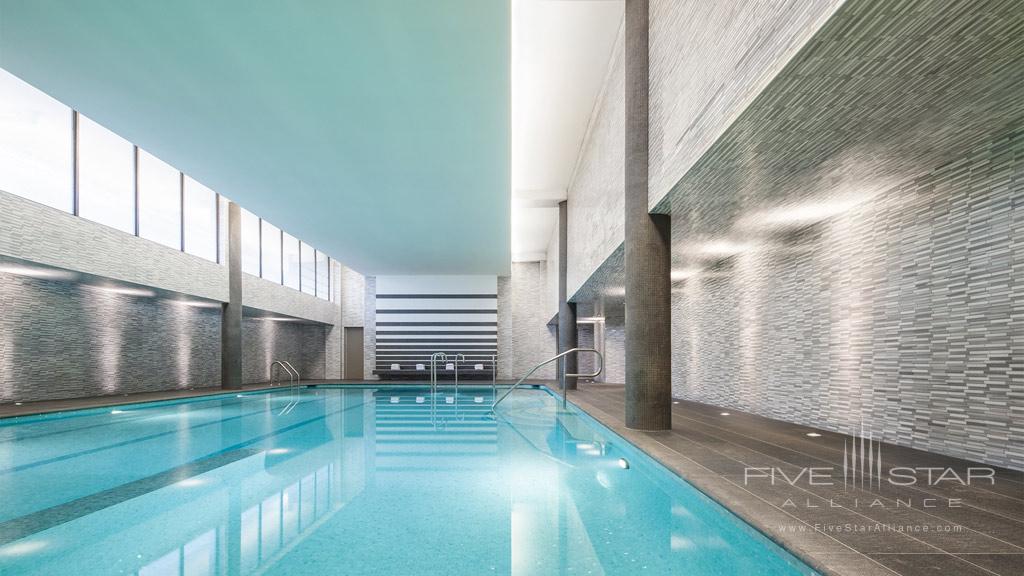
[{"x": 868, "y": 528}]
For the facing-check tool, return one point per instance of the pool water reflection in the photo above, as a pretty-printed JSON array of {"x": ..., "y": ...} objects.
[{"x": 353, "y": 481}]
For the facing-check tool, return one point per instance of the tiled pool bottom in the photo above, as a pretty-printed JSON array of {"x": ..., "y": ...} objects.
[{"x": 353, "y": 481}]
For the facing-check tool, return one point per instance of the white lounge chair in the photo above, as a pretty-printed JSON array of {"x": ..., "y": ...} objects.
[{"x": 396, "y": 367}]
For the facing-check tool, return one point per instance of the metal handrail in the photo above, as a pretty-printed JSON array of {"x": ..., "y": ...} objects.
[
  {"x": 494, "y": 376},
  {"x": 565, "y": 391},
  {"x": 457, "y": 356},
  {"x": 286, "y": 367},
  {"x": 433, "y": 369},
  {"x": 298, "y": 378}
]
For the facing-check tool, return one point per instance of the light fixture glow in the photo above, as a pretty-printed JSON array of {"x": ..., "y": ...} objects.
[
  {"x": 623, "y": 463},
  {"x": 813, "y": 434},
  {"x": 684, "y": 273},
  {"x": 723, "y": 248},
  {"x": 278, "y": 451},
  {"x": 125, "y": 291},
  {"x": 190, "y": 482},
  {"x": 37, "y": 272},
  {"x": 117, "y": 411},
  {"x": 724, "y": 413},
  {"x": 22, "y": 548},
  {"x": 796, "y": 215}
]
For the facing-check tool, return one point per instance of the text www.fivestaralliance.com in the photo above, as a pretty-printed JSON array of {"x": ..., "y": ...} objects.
[{"x": 876, "y": 527}]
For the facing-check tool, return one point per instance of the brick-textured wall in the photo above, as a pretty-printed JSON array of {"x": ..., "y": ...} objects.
[
  {"x": 708, "y": 61},
  {"x": 353, "y": 298},
  {"x": 264, "y": 341},
  {"x": 597, "y": 191},
  {"x": 904, "y": 314},
  {"x": 62, "y": 339},
  {"x": 369, "y": 327},
  {"x": 524, "y": 339}
]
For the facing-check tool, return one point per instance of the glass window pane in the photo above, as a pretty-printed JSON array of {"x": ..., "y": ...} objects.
[
  {"x": 35, "y": 144},
  {"x": 250, "y": 243},
  {"x": 291, "y": 261},
  {"x": 321, "y": 275},
  {"x": 106, "y": 176},
  {"x": 271, "y": 240},
  {"x": 308, "y": 269},
  {"x": 159, "y": 201},
  {"x": 330, "y": 285},
  {"x": 200, "y": 220}
]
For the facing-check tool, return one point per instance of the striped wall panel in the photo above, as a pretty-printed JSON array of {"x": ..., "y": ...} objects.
[{"x": 419, "y": 315}]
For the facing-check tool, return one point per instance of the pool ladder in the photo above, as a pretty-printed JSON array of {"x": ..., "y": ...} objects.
[
  {"x": 565, "y": 391},
  {"x": 294, "y": 380}
]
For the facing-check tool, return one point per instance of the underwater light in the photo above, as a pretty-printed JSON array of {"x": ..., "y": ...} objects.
[
  {"x": 117, "y": 411},
  {"x": 623, "y": 463}
]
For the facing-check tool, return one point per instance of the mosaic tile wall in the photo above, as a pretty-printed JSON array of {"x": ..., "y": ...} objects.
[
  {"x": 904, "y": 314},
  {"x": 61, "y": 339},
  {"x": 66, "y": 340},
  {"x": 524, "y": 338},
  {"x": 596, "y": 191},
  {"x": 709, "y": 60},
  {"x": 264, "y": 341},
  {"x": 369, "y": 326}
]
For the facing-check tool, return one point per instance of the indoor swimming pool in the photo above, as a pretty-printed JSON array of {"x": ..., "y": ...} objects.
[{"x": 354, "y": 480}]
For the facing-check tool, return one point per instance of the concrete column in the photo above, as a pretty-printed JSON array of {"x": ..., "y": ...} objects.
[
  {"x": 648, "y": 256},
  {"x": 567, "y": 335},
  {"x": 231, "y": 313}
]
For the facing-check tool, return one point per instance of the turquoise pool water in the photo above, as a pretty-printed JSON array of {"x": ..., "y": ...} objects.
[{"x": 353, "y": 481}]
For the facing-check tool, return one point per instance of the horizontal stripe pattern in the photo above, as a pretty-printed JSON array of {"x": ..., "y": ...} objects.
[{"x": 413, "y": 325}]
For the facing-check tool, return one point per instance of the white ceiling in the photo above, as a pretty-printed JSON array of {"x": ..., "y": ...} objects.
[
  {"x": 560, "y": 55},
  {"x": 377, "y": 131}
]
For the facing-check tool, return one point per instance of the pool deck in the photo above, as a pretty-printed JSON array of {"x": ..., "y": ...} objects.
[
  {"x": 729, "y": 458},
  {"x": 713, "y": 452}
]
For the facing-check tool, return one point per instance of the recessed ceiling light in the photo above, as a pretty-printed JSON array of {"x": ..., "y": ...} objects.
[{"x": 813, "y": 434}]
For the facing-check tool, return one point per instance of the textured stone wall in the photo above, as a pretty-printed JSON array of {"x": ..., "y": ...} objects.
[
  {"x": 708, "y": 61},
  {"x": 551, "y": 276},
  {"x": 369, "y": 326},
  {"x": 614, "y": 351},
  {"x": 904, "y": 314},
  {"x": 37, "y": 233},
  {"x": 264, "y": 341},
  {"x": 353, "y": 298},
  {"x": 60, "y": 339},
  {"x": 75, "y": 333},
  {"x": 597, "y": 191},
  {"x": 524, "y": 338}
]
